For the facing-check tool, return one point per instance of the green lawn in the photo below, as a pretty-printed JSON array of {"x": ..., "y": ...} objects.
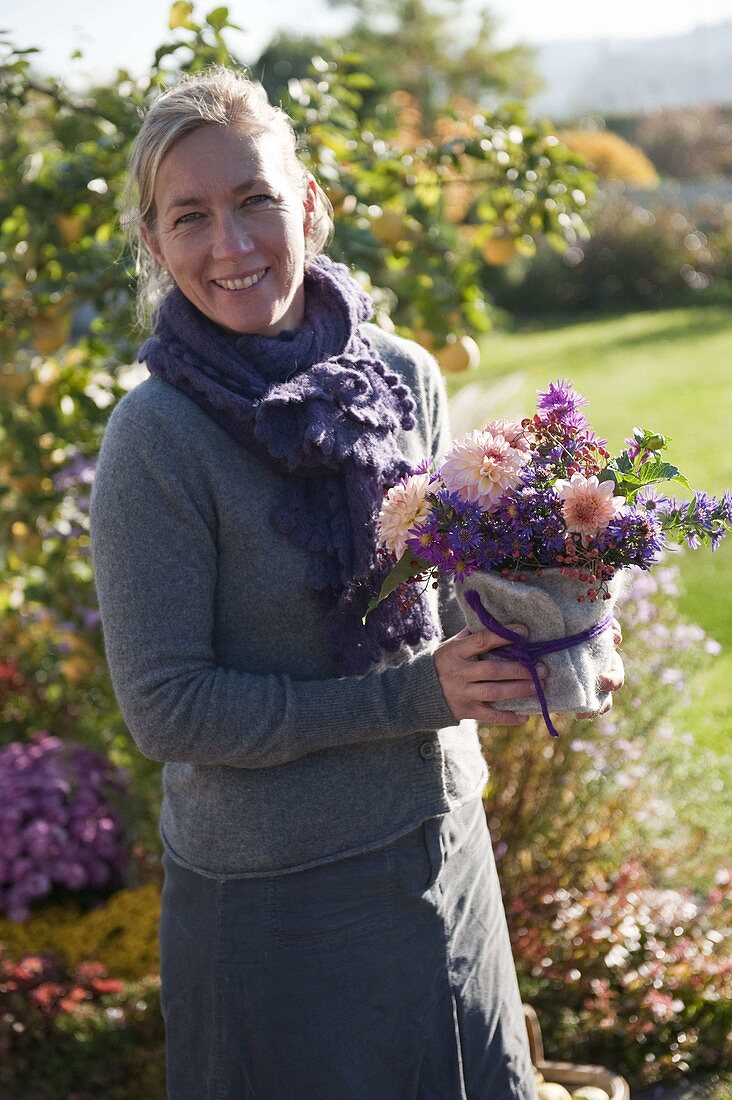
[{"x": 667, "y": 370}]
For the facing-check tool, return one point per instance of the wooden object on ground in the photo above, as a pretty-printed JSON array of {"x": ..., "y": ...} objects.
[{"x": 566, "y": 1073}]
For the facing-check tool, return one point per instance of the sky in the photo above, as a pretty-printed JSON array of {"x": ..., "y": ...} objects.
[{"x": 124, "y": 33}]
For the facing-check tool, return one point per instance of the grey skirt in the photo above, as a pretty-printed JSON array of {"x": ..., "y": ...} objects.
[{"x": 383, "y": 976}]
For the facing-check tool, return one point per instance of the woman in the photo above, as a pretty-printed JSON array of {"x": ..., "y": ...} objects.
[{"x": 332, "y": 925}]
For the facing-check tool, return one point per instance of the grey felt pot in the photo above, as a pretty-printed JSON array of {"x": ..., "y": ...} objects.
[{"x": 549, "y": 607}]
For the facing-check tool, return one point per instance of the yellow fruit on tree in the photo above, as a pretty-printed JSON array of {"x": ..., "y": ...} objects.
[
  {"x": 390, "y": 227},
  {"x": 12, "y": 381},
  {"x": 340, "y": 199},
  {"x": 461, "y": 354},
  {"x": 424, "y": 337},
  {"x": 41, "y": 394},
  {"x": 50, "y": 328},
  {"x": 499, "y": 249},
  {"x": 70, "y": 227}
]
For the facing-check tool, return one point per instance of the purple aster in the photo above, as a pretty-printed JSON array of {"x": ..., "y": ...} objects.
[
  {"x": 466, "y": 537},
  {"x": 653, "y": 501},
  {"x": 563, "y": 400},
  {"x": 726, "y": 503},
  {"x": 633, "y": 537},
  {"x": 80, "y": 471},
  {"x": 428, "y": 541}
]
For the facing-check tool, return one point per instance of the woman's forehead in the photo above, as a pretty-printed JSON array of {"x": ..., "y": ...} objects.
[{"x": 227, "y": 155}]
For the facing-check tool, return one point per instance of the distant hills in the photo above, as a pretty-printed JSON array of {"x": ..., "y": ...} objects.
[{"x": 616, "y": 76}]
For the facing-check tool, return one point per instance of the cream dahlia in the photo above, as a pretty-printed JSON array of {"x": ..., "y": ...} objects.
[
  {"x": 485, "y": 464},
  {"x": 404, "y": 507},
  {"x": 588, "y": 505}
]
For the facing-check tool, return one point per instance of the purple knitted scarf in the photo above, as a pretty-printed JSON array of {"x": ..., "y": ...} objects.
[{"x": 321, "y": 406}]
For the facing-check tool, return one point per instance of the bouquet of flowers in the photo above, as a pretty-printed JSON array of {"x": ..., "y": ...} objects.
[{"x": 536, "y": 521}]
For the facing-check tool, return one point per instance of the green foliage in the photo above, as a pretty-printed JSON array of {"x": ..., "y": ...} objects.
[
  {"x": 436, "y": 51},
  {"x": 121, "y": 934},
  {"x": 393, "y": 197},
  {"x": 630, "y": 473},
  {"x": 637, "y": 255},
  {"x": 683, "y": 143}
]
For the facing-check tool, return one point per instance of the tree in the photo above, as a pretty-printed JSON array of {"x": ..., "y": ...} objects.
[{"x": 432, "y": 52}]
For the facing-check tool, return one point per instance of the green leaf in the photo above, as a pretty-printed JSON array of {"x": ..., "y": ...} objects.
[
  {"x": 406, "y": 567},
  {"x": 651, "y": 472},
  {"x": 623, "y": 463},
  {"x": 218, "y": 18},
  {"x": 163, "y": 51},
  {"x": 359, "y": 80},
  {"x": 180, "y": 14}
]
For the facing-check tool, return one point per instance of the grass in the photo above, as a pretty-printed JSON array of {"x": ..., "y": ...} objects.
[{"x": 666, "y": 370}]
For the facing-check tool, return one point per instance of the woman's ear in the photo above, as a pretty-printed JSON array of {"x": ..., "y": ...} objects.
[{"x": 309, "y": 204}]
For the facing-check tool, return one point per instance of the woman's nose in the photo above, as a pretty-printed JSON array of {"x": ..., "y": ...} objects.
[{"x": 230, "y": 238}]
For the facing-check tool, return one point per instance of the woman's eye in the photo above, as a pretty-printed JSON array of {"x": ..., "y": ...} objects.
[
  {"x": 257, "y": 200},
  {"x": 186, "y": 219}
]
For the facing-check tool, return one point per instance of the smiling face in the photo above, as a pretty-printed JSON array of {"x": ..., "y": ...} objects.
[{"x": 230, "y": 227}]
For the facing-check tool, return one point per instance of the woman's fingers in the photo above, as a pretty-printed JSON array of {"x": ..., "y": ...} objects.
[
  {"x": 500, "y": 670},
  {"x": 611, "y": 680},
  {"x": 489, "y": 716},
  {"x": 617, "y": 632},
  {"x": 614, "y": 678},
  {"x": 495, "y": 690},
  {"x": 606, "y": 706},
  {"x": 481, "y": 642},
  {"x": 470, "y": 686}
]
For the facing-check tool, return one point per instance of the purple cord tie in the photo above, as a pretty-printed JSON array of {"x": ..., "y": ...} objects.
[{"x": 528, "y": 653}]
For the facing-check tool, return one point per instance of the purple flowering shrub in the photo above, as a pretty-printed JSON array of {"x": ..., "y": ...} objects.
[
  {"x": 616, "y": 830},
  {"x": 59, "y": 825}
]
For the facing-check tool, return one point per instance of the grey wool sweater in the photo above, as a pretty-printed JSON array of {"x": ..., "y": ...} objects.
[{"x": 219, "y": 659}]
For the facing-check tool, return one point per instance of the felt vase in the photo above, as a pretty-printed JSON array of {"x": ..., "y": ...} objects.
[{"x": 549, "y": 606}]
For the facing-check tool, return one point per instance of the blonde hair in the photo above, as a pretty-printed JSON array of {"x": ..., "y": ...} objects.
[{"x": 221, "y": 97}]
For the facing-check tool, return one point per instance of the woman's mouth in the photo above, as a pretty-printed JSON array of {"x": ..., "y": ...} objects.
[{"x": 243, "y": 283}]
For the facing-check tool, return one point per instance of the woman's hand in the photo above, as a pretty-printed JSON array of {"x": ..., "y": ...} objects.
[
  {"x": 614, "y": 678},
  {"x": 470, "y": 686}
]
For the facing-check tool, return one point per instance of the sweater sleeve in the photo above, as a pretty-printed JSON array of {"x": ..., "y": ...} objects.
[{"x": 154, "y": 556}]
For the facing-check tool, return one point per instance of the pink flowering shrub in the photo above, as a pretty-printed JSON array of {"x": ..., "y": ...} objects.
[
  {"x": 59, "y": 825},
  {"x": 77, "y": 1034},
  {"x": 613, "y": 832},
  {"x": 628, "y": 975}
]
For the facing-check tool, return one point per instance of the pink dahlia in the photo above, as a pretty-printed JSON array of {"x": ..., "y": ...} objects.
[
  {"x": 511, "y": 431},
  {"x": 485, "y": 464},
  {"x": 588, "y": 505},
  {"x": 403, "y": 509}
]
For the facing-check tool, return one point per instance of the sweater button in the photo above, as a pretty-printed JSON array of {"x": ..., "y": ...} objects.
[{"x": 427, "y": 750}]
